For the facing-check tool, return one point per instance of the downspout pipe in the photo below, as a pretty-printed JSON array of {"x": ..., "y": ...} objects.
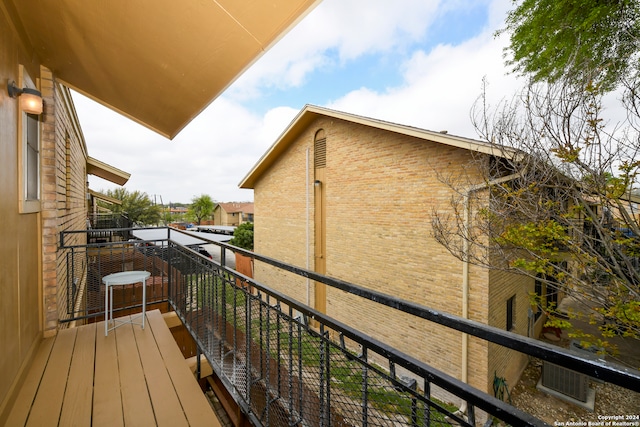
[
  {"x": 465, "y": 264},
  {"x": 308, "y": 242}
]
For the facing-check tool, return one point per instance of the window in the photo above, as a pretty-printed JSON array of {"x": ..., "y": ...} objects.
[
  {"x": 552, "y": 296},
  {"x": 511, "y": 313},
  {"x": 539, "y": 302},
  {"x": 29, "y": 162},
  {"x": 546, "y": 290},
  {"x": 32, "y": 164}
]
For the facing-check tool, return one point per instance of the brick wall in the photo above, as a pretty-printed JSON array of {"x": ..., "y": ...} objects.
[
  {"x": 380, "y": 190},
  {"x": 64, "y": 159},
  {"x": 48, "y": 201},
  {"x": 504, "y": 362}
]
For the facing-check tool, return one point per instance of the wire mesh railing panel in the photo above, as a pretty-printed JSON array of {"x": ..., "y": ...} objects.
[
  {"x": 363, "y": 394},
  {"x": 103, "y": 221},
  {"x": 286, "y": 370},
  {"x": 87, "y": 265}
]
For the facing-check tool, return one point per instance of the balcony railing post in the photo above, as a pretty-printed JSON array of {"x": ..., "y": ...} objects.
[
  {"x": 300, "y": 367},
  {"x": 248, "y": 361},
  {"x": 223, "y": 322},
  {"x": 325, "y": 378},
  {"x": 414, "y": 412},
  {"x": 267, "y": 357},
  {"x": 290, "y": 368},
  {"x": 427, "y": 408},
  {"x": 413, "y": 385},
  {"x": 365, "y": 389},
  {"x": 170, "y": 289},
  {"x": 70, "y": 282},
  {"x": 261, "y": 337},
  {"x": 328, "y": 377},
  {"x": 198, "y": 370},
  {"x": 322, "y": 375},
  {"x": 278, "y": 351},
  {"x": 234, "y": 349},
  {"x": 471, "y": 413}
]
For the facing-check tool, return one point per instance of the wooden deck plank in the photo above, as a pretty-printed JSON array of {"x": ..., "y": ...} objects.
[
  {"x": 166, "y": 405},
  {"x": 48, "y": 402},
  {"x": 131, "y": 377},
  {"x": 27, "y": 394},
  {"x": 136, "y": 403},
  {"x": 107, "y": 403},
  {"x": 76, "y": 406},
  {"x": 192, "y": 399}
]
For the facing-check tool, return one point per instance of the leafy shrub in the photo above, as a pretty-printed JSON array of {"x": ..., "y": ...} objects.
[{"x": 243, "y": 236}]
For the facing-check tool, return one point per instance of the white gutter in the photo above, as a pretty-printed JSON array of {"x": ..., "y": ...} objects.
[{"x": 465, "y": 264}]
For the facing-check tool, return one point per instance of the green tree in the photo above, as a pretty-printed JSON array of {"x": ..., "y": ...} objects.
[
  {"x": 567, "y": 213},
  {"x": 243, "y": 236},
  {"x": 201, "y": 207},
  {"x": 587, "y": 41},
  {"x": 136, "y": 205},
  {"x": 568, "y": 216},
  {"x": 167, "y": 217}
]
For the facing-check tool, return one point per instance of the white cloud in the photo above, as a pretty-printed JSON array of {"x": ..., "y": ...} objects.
[
  {"x": 440, "y": 86},
  {"x": 210, "y": 156},
  {"x": 334, "y": 33},
  {"x": 214, "y": 152}
]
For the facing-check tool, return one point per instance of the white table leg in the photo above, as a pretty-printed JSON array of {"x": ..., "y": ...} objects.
[
  {"x": 106, "y": 309},
  {"x": 111, "y": 306},
  {"x": 144, "y": 299}
]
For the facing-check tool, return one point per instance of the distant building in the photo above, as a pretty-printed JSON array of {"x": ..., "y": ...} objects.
[
  {"x": 233, "y": 213},
  {"x": 178, "y": 210}
]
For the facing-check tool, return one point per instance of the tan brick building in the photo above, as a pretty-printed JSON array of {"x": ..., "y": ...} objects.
[
  {"x": 232, "y": 213},
  {"x": 352, "y": 197}
]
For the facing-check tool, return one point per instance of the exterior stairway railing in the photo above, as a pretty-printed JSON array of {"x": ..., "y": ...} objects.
[{"x": 286, "y": 364}]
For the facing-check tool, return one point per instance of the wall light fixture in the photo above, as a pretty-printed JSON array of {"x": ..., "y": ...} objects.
[{"x": 30, "y": 99}]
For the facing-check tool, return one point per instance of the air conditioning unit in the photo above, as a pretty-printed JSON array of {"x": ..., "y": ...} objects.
[{"x": 565, "y": 381}]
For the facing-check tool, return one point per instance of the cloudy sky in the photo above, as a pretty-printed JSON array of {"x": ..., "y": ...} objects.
[{"x": 414, "y": 62}]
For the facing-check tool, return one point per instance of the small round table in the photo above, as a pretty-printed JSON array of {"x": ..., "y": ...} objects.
[{"x": 122, "y": 278}]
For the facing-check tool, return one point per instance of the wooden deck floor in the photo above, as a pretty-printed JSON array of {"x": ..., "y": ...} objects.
[{"x": 133, "y": 377}]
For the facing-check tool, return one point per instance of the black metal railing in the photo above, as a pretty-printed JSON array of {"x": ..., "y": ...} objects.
[
  {"x": 87, "y": 264},
  {"x": 101, "y": 221},
  {"x": 287, "y": 364},
  {"x": 108, "y": 227}
]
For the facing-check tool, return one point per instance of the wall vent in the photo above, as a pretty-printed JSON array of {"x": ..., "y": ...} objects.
[{"x": 320, "y": 150}]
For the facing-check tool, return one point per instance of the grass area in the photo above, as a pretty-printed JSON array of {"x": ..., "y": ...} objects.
[{"x": 348, "y": 376}]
